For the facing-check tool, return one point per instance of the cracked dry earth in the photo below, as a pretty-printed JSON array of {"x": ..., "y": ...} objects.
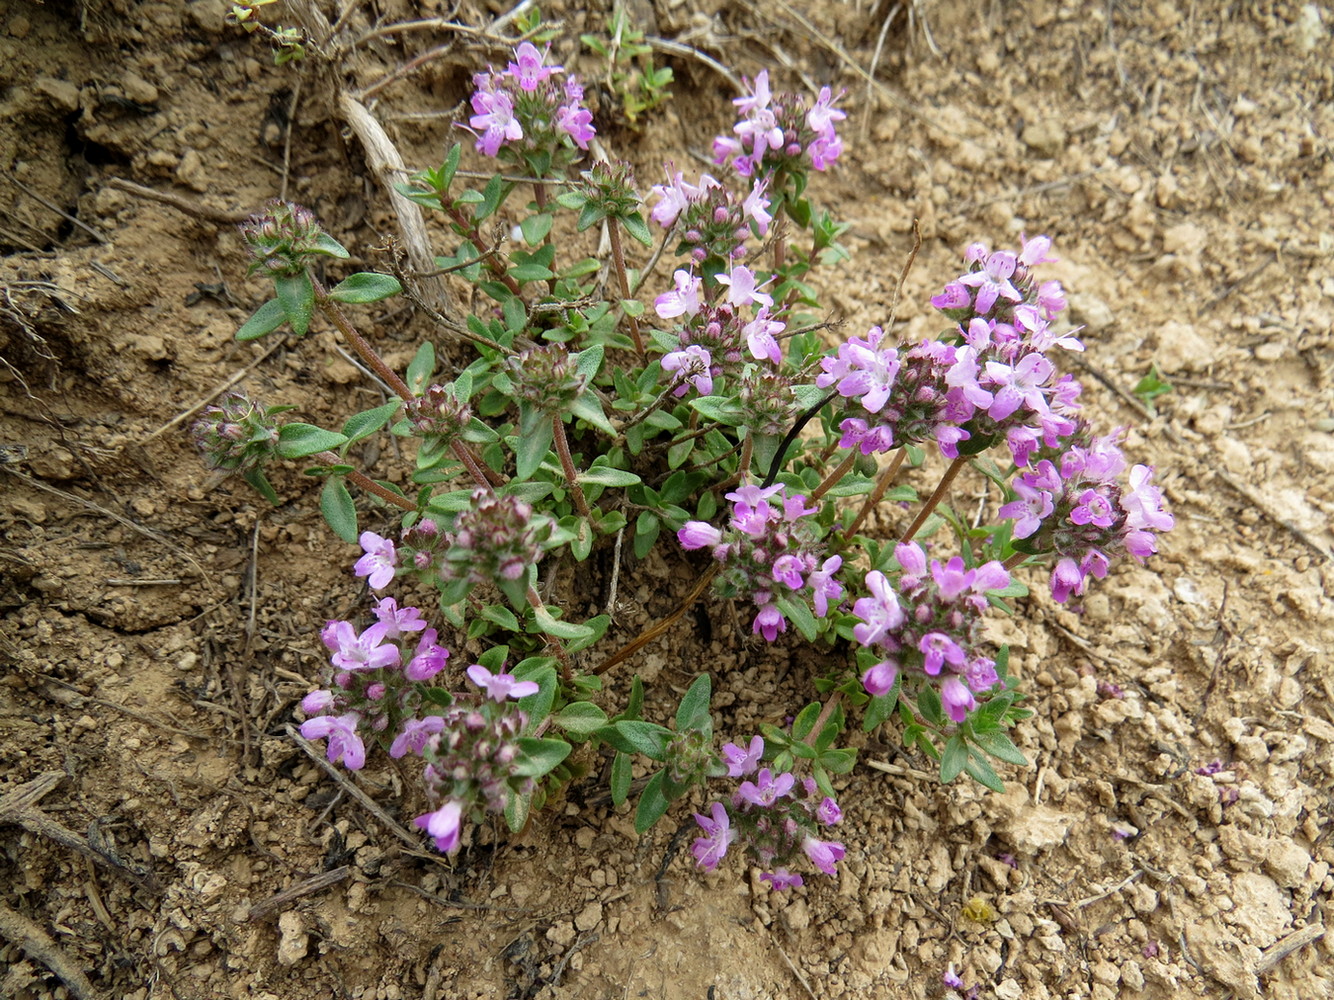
[{"x": 161, "y": 836}]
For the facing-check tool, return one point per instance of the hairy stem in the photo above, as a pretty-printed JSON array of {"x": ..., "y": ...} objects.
[
  {"x": 825, "y": 714},
  {"x": 881, "y": 485},
  {"x": 366, "y": 483},
  {"x": 566, "y": 664},
  {"x": 359, "y": 343},
  {"x": 934, "y": 501},
  {"x": 567, "y": 464},
  {"x": 832, "y": 480},
  {"x": 618, "y": 259},
  {"x": 1015, "y": 559}
]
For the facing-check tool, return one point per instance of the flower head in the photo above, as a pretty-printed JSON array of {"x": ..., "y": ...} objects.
[{"x": 501, "y": 686}]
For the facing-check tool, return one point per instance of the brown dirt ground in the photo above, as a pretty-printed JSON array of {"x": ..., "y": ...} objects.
[{"x": 157, "y": 628}]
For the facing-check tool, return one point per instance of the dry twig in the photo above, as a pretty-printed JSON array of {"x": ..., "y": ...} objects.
[{"x": 19, "y": 930}]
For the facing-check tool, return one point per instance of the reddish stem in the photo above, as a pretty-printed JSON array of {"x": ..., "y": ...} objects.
[
  {"x": 359, "y": 343},
  {"x": 881, "y": 485},
  {"x": 618, "y": 258},
  {"x": 934, "y": 501},
  {"x": 833, "y": 478},
  {"x": 567, "y": 464}
]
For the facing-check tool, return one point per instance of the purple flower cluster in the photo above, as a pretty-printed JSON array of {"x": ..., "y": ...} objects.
[
  {"x": 1000, "y": 285},
  {"x": 237, "y": 434},
  {"x": 373, "y": 684},
  {"x": 769, "y": 819},
  {"x": 902, "y": 391},
  {"x": 471, "y": 750},
  {"x": 712, "y": 223},
  {"x": 524, "y": 108},
  {"x": 438, "y": 414},
  {"x": 720, "y": 328},
  {"x": 780, "y": 133},
  {"x": 997, "y": 381},
  {"x": 1078, "y": 508},
  {"x": 494, "y": 539},
  {"x": 934, "y": 630},
  {"x": 769, "y": 549}
]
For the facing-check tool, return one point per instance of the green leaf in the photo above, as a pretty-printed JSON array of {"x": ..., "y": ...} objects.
[
  {"x": 581, "y": 718},
  {"x": 297, "y": 295},
  {"x": 260, "y": 482},
  {"x": 366, "y": 286},
  {"x": 366, "y": 423},
  {"x": 450, "y": 166},
  {"x": 636, "y": 226},
  {"x": 517, "y": 808},
  {"x": 597, "y": 628},
  {"x": 338, "y": 509},
  {"x": 531, "y": 448},
  {"x": 266, "y": 319},
  {"x": 622, "y": 771},
  {"x": 535, "y": 228},
  {"x": 981, "y": 771},
  {"x": 693, "y": 712},
  {"x": 794, "y": 609},
  {"x": 501, "y": 615},
  {"x": 652, "y": 804},
  {"x": 928, "y": 703},
  {"x": 297, "y": 440},
  {"x": 554, "y": 626},
  {"x": 953, "y": 759},
  {"x": 647, "y": 527},
  {"x": 604, "y": 475},
  {"x": 880, "y": 709},
  {"x": 588, "y": 408},
  {"x": 538, "y": 756},
  {"x": 588, "y": 362},
  {"x": 724, "y": 409},
  {"x": 330, "y": 247},
  {"x": 637, "y": 736},
  {"x": 1001, "y": 747},
  {"x": 422, "y": 369},
  {"x": 634, "y": 707},
  {"x": 538, "y": 706},
  {"x": 491, "y": 196},
  {"x": 839, "y": 761},
  {"x": 805, "y": 721}
]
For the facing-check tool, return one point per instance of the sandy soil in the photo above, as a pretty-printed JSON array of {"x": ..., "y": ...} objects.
[{"x": 157, "y": 628}]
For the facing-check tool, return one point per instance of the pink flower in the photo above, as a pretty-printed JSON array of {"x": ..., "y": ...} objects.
[
  {"x": 445, "y": 825},
  {"x": 742, "y": 762},
  {"x": 759, "y": 334},
  {"x": 766, "y": 789},
  {"x": 379, "y": 561},
  {"x": 528, "y": 70},
  {"x": 429, "y": 659},
  {"x": 742, "y": 288},
  {"x": 366, "y": 651},
  {"x": 824, "y": 585},
  {"x": 415, "y": 734},
  {"x": 696, "y": 366},
  {"x": 683, "y": 300},
  {"x": 698, "y": 535},
  {"x": 781, "y": 879},
  {"x": 880, "y": 613},
  {"x": 494, "y": 120},
  {"x": 398, "y": 619},
  {"x": 769, "y": 622},
  {"x": 500, "y": 686},
  {"x": 957, "y": 699},
  {"x": 756, "y": 208},
  {"x": 718, "y": 833},
  {"x": 341, "y": 731},
  {"x": 824, "y": 854},
  {"x": 879, "y": 679}
]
